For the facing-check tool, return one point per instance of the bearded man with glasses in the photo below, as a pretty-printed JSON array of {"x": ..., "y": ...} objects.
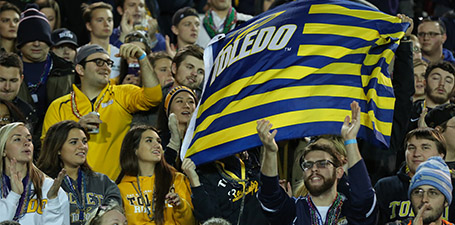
[
  {"x": 432, "y": 35},
  {"x": 430, "y": 192},
  {"x": 102, "y": 108},
  {"x": 322, "y": 166}
]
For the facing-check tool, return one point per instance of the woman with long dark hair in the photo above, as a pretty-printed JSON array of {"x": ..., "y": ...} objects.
[
  {"x": 65, "y": 146},
  {"x": 152, "y": 191},
  {"x": 26, "y": 194}
]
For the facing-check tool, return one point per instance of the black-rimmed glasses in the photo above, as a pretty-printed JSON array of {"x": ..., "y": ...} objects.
[
  {"x": 100, "y": 62},
  {"x": 430, "y": 34},
  {"x": 320, "y": 164}
]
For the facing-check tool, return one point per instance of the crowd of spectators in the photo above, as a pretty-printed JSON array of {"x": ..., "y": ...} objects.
[{"x": 124, "y": 77}]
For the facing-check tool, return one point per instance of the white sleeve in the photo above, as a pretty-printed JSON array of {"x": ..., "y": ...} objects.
[
  {"x": 8, "y": 206},
  {"x": 57, "y": 210}
]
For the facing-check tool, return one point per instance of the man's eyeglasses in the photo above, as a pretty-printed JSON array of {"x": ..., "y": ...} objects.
[
  {"x": 320, "y": 164},
  {"x": 431, "y": 193},
  {"x": 100, "y": 62},
  {"x": 430, "y": 34}
]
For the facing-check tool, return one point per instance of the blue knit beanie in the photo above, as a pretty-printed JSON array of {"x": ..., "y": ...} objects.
[
  {"x": 33, "y": 26},
  {"x": 433, "y": 172}
]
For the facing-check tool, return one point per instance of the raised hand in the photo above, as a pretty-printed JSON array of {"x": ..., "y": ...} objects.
[
  {"x": 173, "y": 124},
  {"x": 286, "y": 187},
  {"x": 421, "y": 122},
  {"x": 170, "y": 48},
  {"x": 407, "y": 19},
  {"x": 350, "y": 129},
  {"x": 53, "y": 191},
  {"x": 130, "y": 50},
  {"x": 176, "y": 134},
  {"x": 418, "y": 220},
  {"x": 16, "y": 182},
  {"x": 189, "y": 168},
  {"x": 268, "y": 139},
  {"x": 126, "y": 25}
]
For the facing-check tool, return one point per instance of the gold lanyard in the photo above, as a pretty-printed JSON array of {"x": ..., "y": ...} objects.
[{"x": 74, "y": 104}]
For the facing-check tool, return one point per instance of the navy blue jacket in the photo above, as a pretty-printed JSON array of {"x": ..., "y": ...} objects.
[{"x": 359, "y": 208}]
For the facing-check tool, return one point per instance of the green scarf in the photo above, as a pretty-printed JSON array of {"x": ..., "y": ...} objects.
[{"x": 229, "y": 22}]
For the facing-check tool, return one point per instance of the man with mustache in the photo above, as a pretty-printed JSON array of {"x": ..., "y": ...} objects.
[
  {"x": 430, "y": 192},
  {"x": 439, "y": 87},
  {"x": 322, "y": 169}
]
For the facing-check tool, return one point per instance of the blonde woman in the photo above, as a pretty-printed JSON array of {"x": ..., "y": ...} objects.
[{"x": 27, "y": 195}]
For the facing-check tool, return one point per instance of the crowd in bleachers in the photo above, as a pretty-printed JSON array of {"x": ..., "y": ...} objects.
[{"x": 123, "y": 78}]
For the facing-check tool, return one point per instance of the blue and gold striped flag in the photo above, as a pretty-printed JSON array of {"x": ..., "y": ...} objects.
[{"x": 300, "y": 66}]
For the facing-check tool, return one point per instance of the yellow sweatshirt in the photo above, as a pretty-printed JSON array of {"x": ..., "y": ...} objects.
[{"x": 134, "y": 207}]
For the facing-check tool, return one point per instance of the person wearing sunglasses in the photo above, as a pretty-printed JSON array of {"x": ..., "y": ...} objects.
[
  {"x": 322, "y": 167},
  {"x": 430, "y": 192},
  {"x": 104, "y": 109},
  {"x": 432, "y": 35}
]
